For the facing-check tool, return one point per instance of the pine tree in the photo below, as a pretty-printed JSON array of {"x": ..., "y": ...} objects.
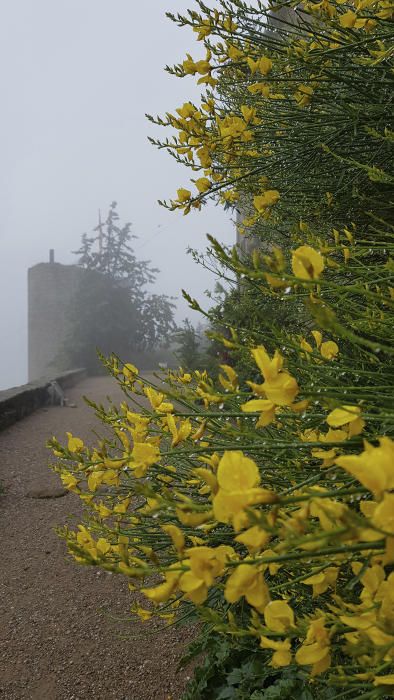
[{"x": 112, "y": 310}]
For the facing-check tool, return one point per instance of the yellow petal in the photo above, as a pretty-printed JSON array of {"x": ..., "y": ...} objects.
[
  {"x": 74, "y": 444},
  {"x": 318, "y": 338},
  {"x": 307, "y": 263},
  {"x": 237, "y": 472},
  {"x": 265, "y": 65},
  {"x": 348, "y": 19},
  {"x": 383, "y": 514},
  {"x": 278, "y": 616},
  {"x": 176, "y": 535},
  {"x": 311, "y": 653},
  {"x": 254, "y": 538},
  {"x": 329, "y": 350},
  {"x": 384, "y": 680},
  {"x": 343, "y": 416}
]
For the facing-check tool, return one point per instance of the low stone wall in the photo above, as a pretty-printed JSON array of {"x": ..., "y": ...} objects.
[{"x": 20, "y": 401}]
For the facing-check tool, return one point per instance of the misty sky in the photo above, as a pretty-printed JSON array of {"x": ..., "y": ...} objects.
[{"x": 77, "y": 79}]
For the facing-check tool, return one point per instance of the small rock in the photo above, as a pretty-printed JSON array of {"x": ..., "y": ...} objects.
[{"x": 47, "y": 492}]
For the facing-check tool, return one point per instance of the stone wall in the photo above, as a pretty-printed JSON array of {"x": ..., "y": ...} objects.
[{"x": 20, "y": 401}]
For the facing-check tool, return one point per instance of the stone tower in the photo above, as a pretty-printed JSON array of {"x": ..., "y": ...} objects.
[{"x": 50, "y": 289}]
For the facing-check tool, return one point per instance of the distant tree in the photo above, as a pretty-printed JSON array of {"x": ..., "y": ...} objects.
[
  {"x": 112, "y": 311},
  {"x": 189, "y": 346},
  {"x": 110, "y": 253}
]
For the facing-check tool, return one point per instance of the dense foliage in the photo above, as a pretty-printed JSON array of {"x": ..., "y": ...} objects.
[
  {"x": 265, "y": 498},
  {"x": 188, "y": 352},
  {"x": 112, "y": 310}
]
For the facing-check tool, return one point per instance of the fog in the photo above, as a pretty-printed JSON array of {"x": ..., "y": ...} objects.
[{"x": 78, "y": 77}]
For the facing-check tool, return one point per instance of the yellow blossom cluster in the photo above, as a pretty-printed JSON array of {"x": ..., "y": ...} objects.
[{"x": 229, "y": 526}]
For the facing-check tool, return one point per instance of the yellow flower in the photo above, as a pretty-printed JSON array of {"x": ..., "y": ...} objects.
[
  {"x": 329, "y": 349},
  {"x": 205, "y": 565},
  {"x": 247, "y": 581},
  {"x": 230, "y": 381},
  {"x": 130, "y": 371},
  {"x": 95, "y": 479},
  {"x": 203, "y": 30},
  {"x": 279, "y": 388},
  {"x": 268, "y": 368},
  {"x": 238, "y": 478},
  {"x": 180, "y": 431},
  {"x": 328, "y": 457},
  {"x": 265, "y": 65},
  {"x": 343, "y": 416},
  {"x": 323, "y": 580},
  {"x": 255, "y": 538},
  {"x": 164, "y": 591},
  {"x": 282, "y": 653},
  {"x": 177, "y": 536},
  {"x": 233, "y": 52},
  {"x": 207, "y": 562},
  {"x": 268, "y": 199},
  {"x": 348, "y": 19},
  {"x": 183, "y": 195},
  {"x": 307, "y": 263},
  {"x": 282, "y": 390},
  {"x": 194, "y": 588},
  {"x": 234, "y": 128},
  {"x": 384, "y": 680},
  {"x": 253, "y": 65},
  {"x": 143, "y": 614},
  {"x": 203, "y": 184},
  {"x": 74, "y": 444},
  {"x": 188, "y": 65},
  {"x": 248, "y": 113},
  {"x": 103, "y": 546},
  {"x": 157, "y": 402},
  {"x": 144, "y": 455},
  {"x": 229, "y": 24},
  {"x": 86, "y": 542},
  {"x": 273, "y": 568},
  {"x": 304, "y": 345},
  {"x": 383, "y": 514},
  {"x": 374, "y": 468},
  {"x": 318, "y": 338},
  {"x": 315, "y": 650},
  {"x": 207, "y": 476},
  {"x": 275, "y": 282},
  {"x": 237, "y": 472},
  {"x": 303, "y": 95},
  {"x": 359, "y": 622},
  {"x": 203, "y": 154},
  {"x": 110, "y": 477},
  {"x": 186, "y": 111},
  {"x": 69, "y": 481},
  {"x": 229, "y": 506},
  {"x": 260, "y": 88},
  {"x": 192, "y": 518},
  {"x": 278, "y": 616},
  {"x": 103, "y": 511},
  {"x": 122, "y": 507}
]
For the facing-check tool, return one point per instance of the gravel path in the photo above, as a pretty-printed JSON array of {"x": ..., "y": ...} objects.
[{"x": 57, "y": 639}]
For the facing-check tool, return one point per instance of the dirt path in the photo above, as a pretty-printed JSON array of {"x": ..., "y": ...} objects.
[{"x": 57, "y": 641}]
